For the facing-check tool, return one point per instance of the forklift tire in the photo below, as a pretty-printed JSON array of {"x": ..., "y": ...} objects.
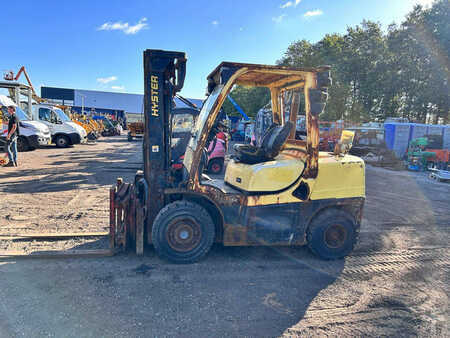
[
  {"x": 332, "y": 234},
  {"x": 62, "y": 141},
  {"x": 215, "y": 166},
  {"x": 183, "y": 232},
  {"x": 22, "y": 144}
]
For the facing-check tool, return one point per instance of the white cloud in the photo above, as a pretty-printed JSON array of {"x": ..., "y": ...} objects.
[
  {"x": 105, "y": 80},
  {"x": 278, "y": 19},
  {"x": 290, "y": 4},
  {"x": 313, "y": 13},
  {"x": 124, "y": 26},
  {"x": 424, "y": 3},
  {"x": 118, "y": 87},
  {"x": 215, "y": 22}
]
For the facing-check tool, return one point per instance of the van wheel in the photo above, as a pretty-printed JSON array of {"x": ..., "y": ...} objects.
[
  {"x": 62, "y": 141},
  {"x": 215, "y": 166},
  {"x": 22, "y": 144},
  {"x": 183, "y": 232},
  {"x": 332, "y": 234}
]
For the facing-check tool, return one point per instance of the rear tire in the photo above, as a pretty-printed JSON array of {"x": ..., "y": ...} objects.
[
  {"x": 332, "y": 234},
  {"x": 183, "y": 232},
  {"x": 22, "y": 144},
  {"x": 62, "y": 141},
  {"x": 215, "y": 166}
]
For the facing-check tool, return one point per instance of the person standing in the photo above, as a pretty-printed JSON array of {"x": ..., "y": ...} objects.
[{"x": 11, "y": 137}]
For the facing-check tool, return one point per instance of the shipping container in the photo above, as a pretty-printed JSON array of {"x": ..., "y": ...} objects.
[
  {"x": 446, "y": 132},
  {"x": 436, "y": 129},
  {"x": 417, "y": 130},
  {"x": 397, "y": 137}
]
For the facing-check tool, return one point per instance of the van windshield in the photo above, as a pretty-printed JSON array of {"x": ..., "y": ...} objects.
[
  {"x": 62, "y": 116},
  {"x": 21, "y": 115}
]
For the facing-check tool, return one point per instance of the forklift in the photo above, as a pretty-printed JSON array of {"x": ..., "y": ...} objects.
[{"x": 283, "y": 192}]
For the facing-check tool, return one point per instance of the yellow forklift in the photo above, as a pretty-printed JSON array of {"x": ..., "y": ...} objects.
[{"x": 281, "y": 192}]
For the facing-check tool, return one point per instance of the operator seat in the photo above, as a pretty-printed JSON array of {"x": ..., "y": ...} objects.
[{"x": 272, "y": 142}]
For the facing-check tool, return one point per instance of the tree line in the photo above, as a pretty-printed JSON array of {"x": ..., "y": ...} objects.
[{"x": 401, "y": 72}]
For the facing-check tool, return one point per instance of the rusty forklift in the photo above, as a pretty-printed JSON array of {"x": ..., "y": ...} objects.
[{"x": 283, "y": 192}]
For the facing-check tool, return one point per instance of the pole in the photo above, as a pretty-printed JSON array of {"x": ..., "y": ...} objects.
[{"x": 82, "y": 103}]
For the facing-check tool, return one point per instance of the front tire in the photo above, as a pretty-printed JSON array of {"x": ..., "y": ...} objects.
[
  {"x": 215, "y": 166},
  {"x": 183, "y": 232},
  {"x": 22, "y": 144},
  {"x": 332, "y": 234},
  {"x": 62, "y": 141}
]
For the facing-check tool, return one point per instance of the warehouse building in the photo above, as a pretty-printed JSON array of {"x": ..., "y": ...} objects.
[{"x": 100, "y": 102}]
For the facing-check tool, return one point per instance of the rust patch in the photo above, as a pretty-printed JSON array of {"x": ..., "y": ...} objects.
[{"x": 235, "y": 235}]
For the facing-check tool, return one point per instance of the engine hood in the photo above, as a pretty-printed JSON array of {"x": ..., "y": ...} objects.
[{"x": 41, "y": 127}]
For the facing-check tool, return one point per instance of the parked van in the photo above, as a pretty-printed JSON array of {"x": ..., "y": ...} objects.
[
  {"x": 32, "y": 134},
  {"x": 64, "y": 132}
]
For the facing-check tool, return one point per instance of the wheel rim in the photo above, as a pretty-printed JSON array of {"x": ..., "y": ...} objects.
[
  {"x": 215, "y": 167},
  {"x": 335, "y": 236},
  {"x": 61, "y": 142},
  {"x": 183, "y": 234}
]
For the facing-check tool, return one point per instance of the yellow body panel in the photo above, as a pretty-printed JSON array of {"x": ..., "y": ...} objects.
[
  {"x": 339, "y": 177},
  {"x": 264, "y": 177}
]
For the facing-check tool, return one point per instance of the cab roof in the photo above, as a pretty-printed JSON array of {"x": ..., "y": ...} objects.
[{"x": 262, "y": 75}]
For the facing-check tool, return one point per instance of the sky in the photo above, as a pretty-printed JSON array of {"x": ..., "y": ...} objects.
[{"x": 98, "y": 45}]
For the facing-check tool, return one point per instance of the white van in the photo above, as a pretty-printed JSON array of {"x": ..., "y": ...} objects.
[
  {"x": 64, "y": 132},
  {"x": 32, "y": 134}
]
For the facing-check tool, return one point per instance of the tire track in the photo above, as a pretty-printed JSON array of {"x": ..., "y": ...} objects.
[{"x": 396, "y": 261}]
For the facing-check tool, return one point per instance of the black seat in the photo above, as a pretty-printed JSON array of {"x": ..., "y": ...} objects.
[{"x": 272, "y": 142}]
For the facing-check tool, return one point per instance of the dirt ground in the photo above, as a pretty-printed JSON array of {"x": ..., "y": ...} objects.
[{"x": 396, "y": 283}]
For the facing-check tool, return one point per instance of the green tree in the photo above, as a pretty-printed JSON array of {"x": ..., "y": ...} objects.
[
  {"x": 404, "y": 72},
  {"x": 250, "y": 99},
  {"x": 420, "y": 49}
]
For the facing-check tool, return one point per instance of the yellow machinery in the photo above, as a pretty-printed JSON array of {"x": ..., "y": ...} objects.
[
  {"x": 135, "y": 126},
  {"x": 135, "y": 130},
  {"x": 280, "y": 192},
  {"x": 97, "y": 126},
  {"x": 91, "y": 127}
]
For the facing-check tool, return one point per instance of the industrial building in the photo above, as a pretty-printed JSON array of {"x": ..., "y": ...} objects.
[{"x": 101, "y": 102}]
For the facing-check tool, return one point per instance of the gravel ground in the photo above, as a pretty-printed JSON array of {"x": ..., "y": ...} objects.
[{"x": 396, "y": 283}]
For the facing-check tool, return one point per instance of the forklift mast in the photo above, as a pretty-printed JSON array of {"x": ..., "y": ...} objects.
[{"x": 164, "y": 74}]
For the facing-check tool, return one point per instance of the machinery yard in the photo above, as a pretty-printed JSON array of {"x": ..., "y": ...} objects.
[
  {"x": 395, "y": 282},
  {"x": 276, "y": 169}
]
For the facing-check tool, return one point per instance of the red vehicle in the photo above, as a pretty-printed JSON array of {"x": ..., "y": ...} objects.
[
  {"x": 182, "y": 123},
  {"x": 216, "y": 153},
  {"x": 330, "y": 133}
]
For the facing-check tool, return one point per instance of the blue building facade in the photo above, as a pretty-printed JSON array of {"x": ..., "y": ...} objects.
[{"x": 101, "y": 102}]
